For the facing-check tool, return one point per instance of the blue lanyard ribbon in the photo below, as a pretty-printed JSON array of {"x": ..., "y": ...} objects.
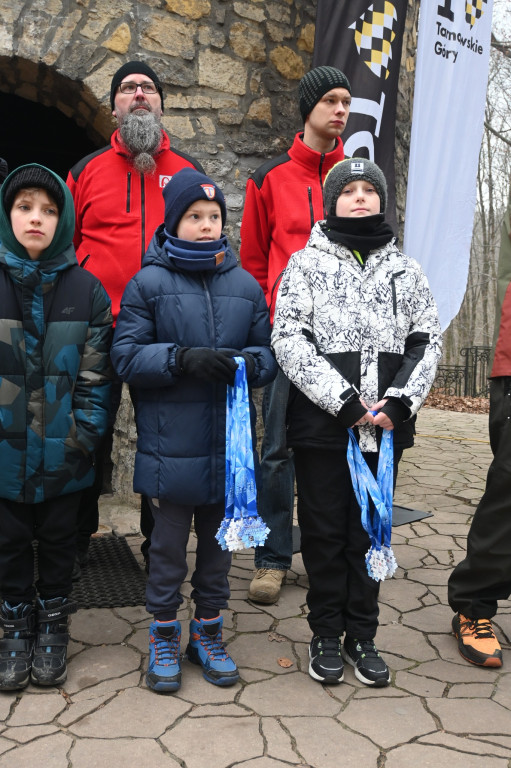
[
  {"x": 241, "y": 527},
  {"x": 380, "y": 560}
]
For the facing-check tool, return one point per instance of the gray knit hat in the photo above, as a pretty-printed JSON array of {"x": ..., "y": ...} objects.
[
  {"x": 316, "y": 83},
  {"x": 353, "y": 169}
]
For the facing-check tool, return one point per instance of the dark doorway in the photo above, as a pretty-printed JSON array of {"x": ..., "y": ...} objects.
[{"x": 33, "y": 133}]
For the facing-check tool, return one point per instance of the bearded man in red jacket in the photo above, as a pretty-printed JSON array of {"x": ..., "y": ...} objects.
[
  {"x": 118, "y": 199},
  {"x": 284, "y": 199}
]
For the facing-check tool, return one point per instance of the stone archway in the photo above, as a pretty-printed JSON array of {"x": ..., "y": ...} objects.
[
  {"x": 47, "y": 117},
  {"x": 33, "y": 133}
]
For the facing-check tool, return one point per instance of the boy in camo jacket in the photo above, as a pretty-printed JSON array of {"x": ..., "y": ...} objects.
[{"x": 55, "y": 333}]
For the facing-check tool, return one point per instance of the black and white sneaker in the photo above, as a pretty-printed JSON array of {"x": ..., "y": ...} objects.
[
  {"x": 325, "y": 662},
  {"x": 369, "y": 666}
]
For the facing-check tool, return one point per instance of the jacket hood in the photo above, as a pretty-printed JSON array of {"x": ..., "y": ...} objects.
[
  {"x": 156, "y": 254},
  {"x": 65, "y": 228}
]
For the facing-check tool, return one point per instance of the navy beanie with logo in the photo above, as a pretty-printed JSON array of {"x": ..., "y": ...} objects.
[
  {"x": 185, "y": 187},
  {"x": 133, "y": 68}
]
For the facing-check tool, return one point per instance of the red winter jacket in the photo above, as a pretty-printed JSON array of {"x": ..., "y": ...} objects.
[
  {"x": 502, "y": 358},
  {"x": 118, "y": 210},
  {"x": 284, "y": 199}
]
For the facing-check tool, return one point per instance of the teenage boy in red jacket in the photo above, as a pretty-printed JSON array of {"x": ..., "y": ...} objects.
[{"x": 284, "y": 199}]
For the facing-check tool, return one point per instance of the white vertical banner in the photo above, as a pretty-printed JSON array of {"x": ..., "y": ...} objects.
[{"x": 448, "y": 115}]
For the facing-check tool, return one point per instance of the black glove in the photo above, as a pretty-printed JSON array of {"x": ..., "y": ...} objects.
[
  {"x": 247, "y": 357},
  {"x": 207, "y": 364}
]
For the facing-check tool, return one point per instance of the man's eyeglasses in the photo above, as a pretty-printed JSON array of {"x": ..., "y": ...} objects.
[{"x": 132, "y": 87}]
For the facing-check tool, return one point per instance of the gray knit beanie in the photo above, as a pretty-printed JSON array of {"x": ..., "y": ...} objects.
[
  {"x": 353, "y": 169},
  {"x": 316, "y": 83}
]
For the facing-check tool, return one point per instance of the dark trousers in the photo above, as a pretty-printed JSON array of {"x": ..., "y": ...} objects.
[
  {"x": 53, "y": 523},
  {"x": 341, "y": 597},
  {"x": 484, "y": 576},
  {"x": 169, "y": 567}
]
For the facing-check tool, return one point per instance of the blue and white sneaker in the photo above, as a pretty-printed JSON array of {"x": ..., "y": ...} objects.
[
  {"x": 164, "y": 670},
  {"x": 207, "y": 649}
]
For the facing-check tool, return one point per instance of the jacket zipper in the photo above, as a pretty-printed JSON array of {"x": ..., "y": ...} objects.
[
  {"x": 321, "y": 183},
  {"x": 214, "y": 423},
  {"x": 142, "y": 214},
  {"x": 311, "y": 209},
  {"x": 128, "y": 193}
]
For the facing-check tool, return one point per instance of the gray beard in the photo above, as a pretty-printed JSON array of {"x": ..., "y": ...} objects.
[{"x": 142, "y": 136}]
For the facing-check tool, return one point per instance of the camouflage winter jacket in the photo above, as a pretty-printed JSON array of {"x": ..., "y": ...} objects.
[{"x": 55, "y": 336}]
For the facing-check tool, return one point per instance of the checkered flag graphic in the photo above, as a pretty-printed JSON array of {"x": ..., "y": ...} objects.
[
  {"x": 474, "y": 11},
  {"x": 374, "y": 35}
]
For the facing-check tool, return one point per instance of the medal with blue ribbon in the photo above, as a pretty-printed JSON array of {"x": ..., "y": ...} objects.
[
  {"x": 241, "y": 527},
  {"x": 380, "y": 560}
]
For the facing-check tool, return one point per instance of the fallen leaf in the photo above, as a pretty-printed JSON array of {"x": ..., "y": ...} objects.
[
  {"x": 274, "y": 636},
  {"x": 283, "y": 662}
]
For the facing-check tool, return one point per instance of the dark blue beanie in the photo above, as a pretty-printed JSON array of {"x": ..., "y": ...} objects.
[{"x": 185, "y": 187}]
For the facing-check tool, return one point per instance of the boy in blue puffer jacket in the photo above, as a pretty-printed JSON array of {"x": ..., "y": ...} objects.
[{"x": 184, "y": 317}]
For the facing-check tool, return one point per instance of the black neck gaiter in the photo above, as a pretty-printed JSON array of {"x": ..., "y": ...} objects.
[{"x": 362, "y": 234}]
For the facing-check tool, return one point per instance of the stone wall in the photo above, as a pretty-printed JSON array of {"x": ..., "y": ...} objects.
[{"x": 230, "y": 72}]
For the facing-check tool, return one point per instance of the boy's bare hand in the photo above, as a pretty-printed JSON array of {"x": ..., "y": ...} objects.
[{"x": 381, "y": 419}]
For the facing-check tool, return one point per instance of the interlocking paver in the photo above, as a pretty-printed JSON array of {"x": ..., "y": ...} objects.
[
  {"x": 128, "y": 753},
  {"x": 471, "y": 716},
  {"x": 436, "y": 757},
  {"x": 50, "y": 751},
  {"x": 216, "y": 742},
  {"x": 278, "y": 739},
  {"x": 132, "y": 712},
  {"x": 326, "y": 743},
  {"x": 388, "y": 722},
  {"x": 95, "y": 624},
  {"x": 24, "y": 734},
  {"x": 31, "y": 710},
  {"x": 471, "y": 744}
]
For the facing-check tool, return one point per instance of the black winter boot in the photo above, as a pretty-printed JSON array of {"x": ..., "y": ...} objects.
[
  {"x": 49, "y": 663},
  {"x": 17, "y": 645}
]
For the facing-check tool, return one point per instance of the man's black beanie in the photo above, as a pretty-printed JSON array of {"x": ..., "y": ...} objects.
[{"x": 133, "y": 68}]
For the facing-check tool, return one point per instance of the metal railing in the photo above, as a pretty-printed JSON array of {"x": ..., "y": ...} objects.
[{"x": 469, "y": 380}]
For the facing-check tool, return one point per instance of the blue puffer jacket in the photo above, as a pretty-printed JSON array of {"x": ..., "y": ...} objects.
[{"x": 181, "y": 419}]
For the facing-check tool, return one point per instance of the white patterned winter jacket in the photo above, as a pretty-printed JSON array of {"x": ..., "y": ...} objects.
[{"x": 378, "y": 325}]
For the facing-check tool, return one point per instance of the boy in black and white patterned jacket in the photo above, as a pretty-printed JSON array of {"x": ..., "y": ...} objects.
[{"x": 357, "y": 332}]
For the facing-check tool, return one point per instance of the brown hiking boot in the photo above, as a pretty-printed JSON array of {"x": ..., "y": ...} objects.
[
  {"x": 476, "y": 641},
  {"x": 265, "y": 586}
]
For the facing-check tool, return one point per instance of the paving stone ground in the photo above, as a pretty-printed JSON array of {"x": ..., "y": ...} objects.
[{"x": 438, "y": 711}]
